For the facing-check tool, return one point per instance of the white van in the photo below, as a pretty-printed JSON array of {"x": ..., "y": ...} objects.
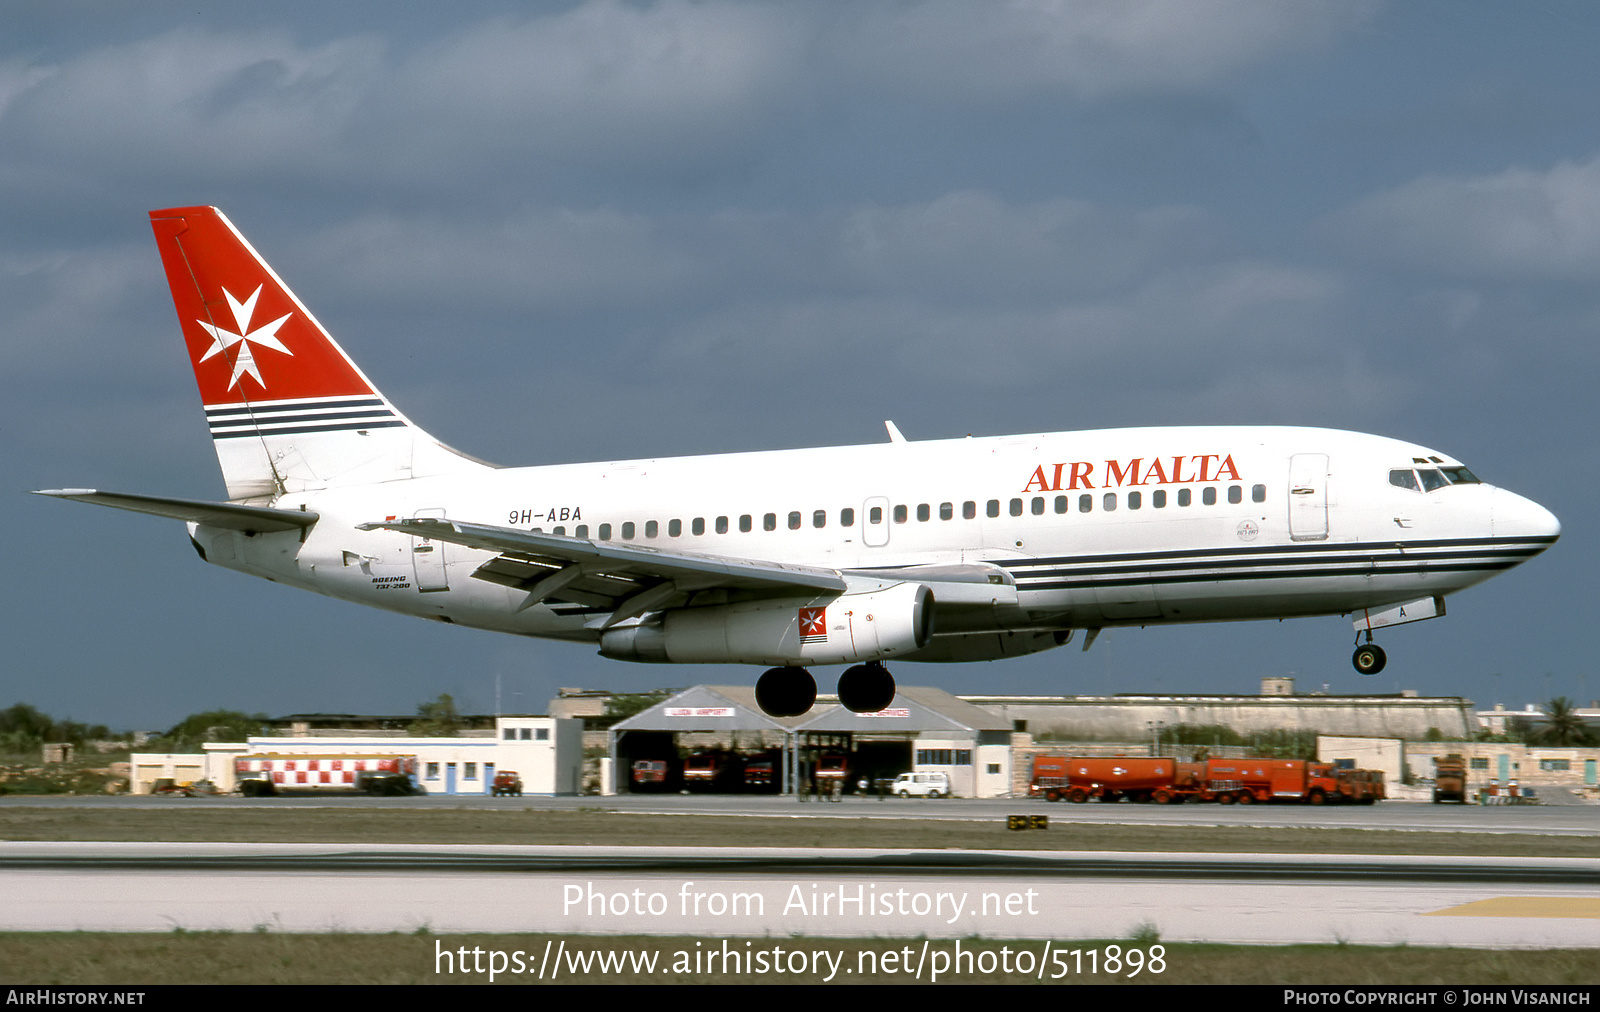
[{"x": 927, "y": 785}]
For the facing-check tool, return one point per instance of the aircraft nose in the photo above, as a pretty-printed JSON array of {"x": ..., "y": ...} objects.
[{"x": 1516, "y": 517}]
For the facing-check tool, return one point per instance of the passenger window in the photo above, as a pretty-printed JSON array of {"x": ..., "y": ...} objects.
[
  {"x": 993, "y": 508},
  {"x": 1235, "y": 494},
  {"x": 651, "y": 528},
  {"x": 605, "y": 532},
  {"x": 1037, "y": 506},
  {"x": 876, "y": 516},
  {"x": 745, "y": 523},
  {"x": 899, "y": 514},
  {"x": 560, "y": 530},
  {"x": 1061, "y": 504},
  {"x": 969, "y": 510},
  {"x": 847, "y": 517},
  {"x": 698, "y": 527},
  {"x": 947, "y": 511},
  {"x": 675, "y": 528},
  {"x": 1085, "y": 503},
  {"x": 627, "y": 531},
  {"x": 1158, "y": 499},
  {"x": 582, "y": 531},
  {"x": 1258, "y": 493},
  {"x": 769, "y": 522},
  {"x": 794, "y": 520},
  {"x": 1134, "y": 500},
  {"x": 819, "y": 518},
  {"x": 1109, "y": 502},
  {"x": 922, "y": 512},
  {"x": 1016, "y": 507},
  {"x": 1208, "y": 495},
  {"x": 1183, "y": 497},
  {"x": 722, "y": 525}
]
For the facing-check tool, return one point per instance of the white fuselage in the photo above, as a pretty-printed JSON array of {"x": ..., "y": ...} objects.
[{"x": 1097, "y": 528}]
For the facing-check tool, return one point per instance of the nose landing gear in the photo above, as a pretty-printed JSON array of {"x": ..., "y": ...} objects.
[{"x": 1369, "y": 658}]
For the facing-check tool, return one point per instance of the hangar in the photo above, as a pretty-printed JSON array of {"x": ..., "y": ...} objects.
[{"x": 924, "y": 730}]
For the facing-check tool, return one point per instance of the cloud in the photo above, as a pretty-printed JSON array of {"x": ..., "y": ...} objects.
[
  {"x": 1091, "y": 50},
  {"x": 599, "y": 82},
  {"x": 669, "y": 90},
  {"x": 1513, "y": 226}
]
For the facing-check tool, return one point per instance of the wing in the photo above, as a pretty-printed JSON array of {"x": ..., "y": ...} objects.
[{"x": 626, "y": 580}]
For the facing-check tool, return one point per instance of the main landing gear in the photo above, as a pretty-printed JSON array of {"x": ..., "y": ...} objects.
[
  {"x": 791, "y": 691},
  {"x": 866, "y": 688},
  {"x": 786, "y": 692},
  {"x": 1369, "y": 658}
]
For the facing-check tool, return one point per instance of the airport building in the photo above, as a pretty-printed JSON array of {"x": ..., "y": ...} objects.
[{"x": 545, "y": 752}]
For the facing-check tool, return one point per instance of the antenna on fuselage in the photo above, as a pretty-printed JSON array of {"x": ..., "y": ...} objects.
[{"x": 894, "y": 433}]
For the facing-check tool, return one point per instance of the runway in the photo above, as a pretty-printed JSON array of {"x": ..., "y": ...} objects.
[
  {"x": 1564, "y": 820},
  {"x": 759, "y": 892}
]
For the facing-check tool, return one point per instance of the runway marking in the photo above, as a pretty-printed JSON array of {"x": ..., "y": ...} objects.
[{"x": 1526, "y": 906}]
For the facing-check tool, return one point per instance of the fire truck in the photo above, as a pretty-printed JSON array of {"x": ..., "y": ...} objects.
[{"x": 336, "y": 773}]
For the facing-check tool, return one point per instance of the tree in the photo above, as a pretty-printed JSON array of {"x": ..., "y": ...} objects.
[
  {"x": 620, "y": 706},
  {"x": 24, "y": 728},
  {"x": 196, "y": 729},
  {"x": 437, "y": 719},
  {"x": 1562, "y": 725}
]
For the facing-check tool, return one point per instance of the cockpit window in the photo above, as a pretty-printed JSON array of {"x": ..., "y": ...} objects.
[
  {"x": 1429, "y": 479},
  {"x": 1405, "y": 479}
]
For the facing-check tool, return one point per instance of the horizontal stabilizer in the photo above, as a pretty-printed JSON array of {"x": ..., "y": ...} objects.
[{"x": 250, "y": 519}]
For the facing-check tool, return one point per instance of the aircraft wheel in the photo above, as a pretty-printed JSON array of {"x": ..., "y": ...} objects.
[
  {"x": 786, "y": 692},
  {"x": 1369, "y": 658},
  {"x": 866, "y": 688}
]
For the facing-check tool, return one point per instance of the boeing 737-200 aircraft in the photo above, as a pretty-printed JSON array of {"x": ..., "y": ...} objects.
[{"x": 940, "y": 550}]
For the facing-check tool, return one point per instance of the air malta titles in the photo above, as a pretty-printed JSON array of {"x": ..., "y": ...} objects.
[{"x": 1180, "y": 470}]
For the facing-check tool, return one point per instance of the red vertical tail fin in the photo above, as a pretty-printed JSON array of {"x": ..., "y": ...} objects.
[{"x": 288, "y": 409}]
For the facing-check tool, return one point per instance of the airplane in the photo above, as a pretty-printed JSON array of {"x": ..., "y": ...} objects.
[{"x": 944, "y": 550}]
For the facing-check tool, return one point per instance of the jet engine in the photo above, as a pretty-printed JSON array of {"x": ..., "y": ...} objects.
[{"x": 848, "y": 629}]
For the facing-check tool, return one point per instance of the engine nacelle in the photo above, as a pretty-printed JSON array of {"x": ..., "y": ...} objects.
[{"x": 849, "y": 629}]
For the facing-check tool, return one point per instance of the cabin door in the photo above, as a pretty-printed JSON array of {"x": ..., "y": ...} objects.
[
  {"x": 427, "y": 556},
  {"x": 1308, "y": 497}
]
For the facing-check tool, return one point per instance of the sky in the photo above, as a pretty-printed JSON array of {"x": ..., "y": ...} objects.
[{"x": 600, "y": 230}]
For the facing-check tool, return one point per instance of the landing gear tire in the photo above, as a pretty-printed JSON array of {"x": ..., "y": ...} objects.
[
  {"x": 1369, "y": 658},
  {"x": 786, "y": 692},
  {"x": 866, "y": 688}
]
